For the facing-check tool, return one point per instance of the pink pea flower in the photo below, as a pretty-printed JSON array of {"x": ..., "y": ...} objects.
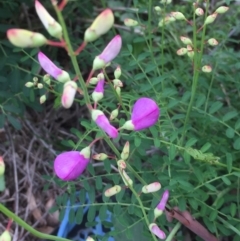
[
  {"x": 69, "y": 92},
  {"x": 162, "y": 204},
  {"x": 102, "y": 121},
  {"x": 52, "y": 69},
  {"x": 145, "y": 113},
  {"x": 25, "y": 39},
  {"x": 70, "y": 165},
  {"x": 157, "y": 231},
  {"x": 109, "y": 53}
]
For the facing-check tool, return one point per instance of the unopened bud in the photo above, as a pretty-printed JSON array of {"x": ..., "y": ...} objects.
[
  {"x": 89, "y": 239},
  {"x": 153, "y": 187},
  {"x": 125, "y": 152},
  {"x": 117, "y": 72},
  {"x": 117, "y": 83},
  {"x": 35, "y": 80},
  {"x": 40, "y": 86},
  {"x": 114, "y": 114},
  {"x": 182, "y": 51},
  {"x": 210, "y": 18},
  {"x": 222, "y": 10},
  {"x": 43, "y": 98},
  {"x": 165, "y": 1},
  {"x": 212, "y": 42},
  {"x": 186, "y": 40},
  {"x": 190, "y": 52},
  {"x": 158, "y": 10},
  {"x": 178, "y": 16},
  {"x": 199, "y": 12},
  {"x": 5, "y": 236},
  {"x": 112, "y": 191},
  {"x": 207, "y": 69},
  {"x": 2, "y": 166},
  {"x": 168, "y": 19},
  {"x": 121, "y": 164},
  {"x": 93, "y": 81},
  {"x": 118, "y": 90},
  {"x": 47, "y": 79},
  {"x": 126, "y": 179},
  {"x": 29, "y": 84},
  {"x": 130, "y": 22},
  {"x": 68, "y": 95},
  {"x": 100, "y": 157},
  {"x": 162, "y": 204}
]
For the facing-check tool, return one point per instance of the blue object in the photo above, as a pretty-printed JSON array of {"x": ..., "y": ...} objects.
[{"x": 77, "y": 232}]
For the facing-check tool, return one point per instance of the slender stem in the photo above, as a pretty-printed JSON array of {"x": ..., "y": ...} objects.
[
  {"x": 73, "y": 56},
  {"x": 27, "y": 227},
  {"x": 173, "y": 232}
]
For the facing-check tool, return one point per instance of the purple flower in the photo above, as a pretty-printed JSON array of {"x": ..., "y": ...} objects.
[
  {"x": 98, "y": 92},
  {"x": 70, "y": 165},
  {"x": 145, "y": 113},
  {"x": 161, "y": 205},
  {"x": 52, "y": 69},
  {"x": 157, "y": 231},
  {"x": 109, "y": 53},
  {"x": 102, "y": 121}
]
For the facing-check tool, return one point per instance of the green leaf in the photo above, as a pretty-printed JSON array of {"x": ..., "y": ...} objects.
[
  {"x": 130, "y": 48},
  {"x": 137, "y": 141},
  {"x": 233, "y": 209},
  {"x": 14, "y": 122},
  {"x": 237, "y": 124},
  {"x": 229, "y": 161},
  {"x": 53, "y": 209},
  {"x": 92, "y": 195},
  {"x": 230, "y": 115},
  {"x": 2, "y": 120},
  {"x": 2, "y": 183},
  {"x": 200, "y": 101},
  {"x": 79, "y": 215},
  {"x": 213, "y": 215},
  {"x": 193, "y": 203},
  {"x": 71, "y": 216},
  {"x": 191, "y": 142},
  {"x": 172, "y": 152},
  {"x": 91, "y": 213},
  {"x": 99, "y": 183},
  {"x": 186, "y": 157},
  {"x": 86, "y": 185},
  {"x": 205, "y": 147},
  {"x": 107, "y": 165},
  {"x": 215, "y": 107},
  {"x": 226, "y": 181},
  {"x": 230, "y": 133},
  {"x": 236, "y": 144},
  {"x": 103, "y": 212},
  {"x": 90, "y": 168},
  {"x": 210, "y": 187}
]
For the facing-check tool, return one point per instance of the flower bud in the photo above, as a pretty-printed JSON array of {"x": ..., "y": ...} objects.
[
  {"x": 100, "y": 26},
  {"x": 222, "y": 10},
  {"x": 212, "y": 42},
  {"x": 68, "y": 95},
  {"x": 52, "y": 69},
  {"x": 98, "y": 92},
  {"x": 130, "y": 22},
  {"x": 117, "y": 72},
  {"x": 43, "y": 98},
  {"x": 207, "y": 69},
  {"x": 101, "y": 121},
  {"x": 178, "y": 16},
  {"x": 168, "y": 19},
  {"x": 121, "y": 164},
  {"x": 35, "y": 80},
  {"x": 153, "y": 187},
  {"x": 5, "y": 236},
  {"x": 47, "y": 79},
  {"x": 89, "y": 239},
  {"x": 190, "y": 52},
  {"x": 165, "y": 1},
  {"x": 117, "y": 83},
  {"x": 100, "y": 157},
  {"x": 53, "y": 27},
  {"x": 2, "y": 166},
  {"x": 70, "y": 165},
  {"x": 199, "y": 11},
  {"x": 29, "y": 84},
  {"x": 125, "y": 152},
  {"x": 126, "y": 179},
  {"x": 114, "y": 114},
  {"x": 182, "y": 51},
  {"x": 93, "y": 81},
  {"x": 157, "y": 231},
  {"x": 118, "y": 90},
  {"x": 112, "y": 191},
  {"x": 109, "y": 53},
  {"x": 158, "y": 10},
  {"x": 145, "y": 113},
  {"x": 23, "y": 38},
  {"x": 210, "y": 18},
  {"x": 186, "y": 40},
  {"x": 40, "y": 85},
  {"x": 161, "y": 205}
]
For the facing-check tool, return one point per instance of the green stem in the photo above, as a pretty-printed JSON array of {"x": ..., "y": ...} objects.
[
  {"x": 27, "y": 227},
  {"x": 173, "y": 232},
  {"x": 196, "y": 66},
  {"x": 73, "y": 57}
]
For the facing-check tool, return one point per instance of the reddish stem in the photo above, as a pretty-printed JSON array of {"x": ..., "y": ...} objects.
[
  {"x": 94, "y": 141},
  {"x": 9, "y": 224},
  {"x": 200, "y": 29},
  {"x": 80, "y": 48},
  {"x": 95, "y": 105},
  {"x": 62, "y": 5},
  {"x": 75, "y": 78},
  {"x": 57, "y": 44},
  {"x": 80, "y": 91},
  {"x": 89, "y": 77}
]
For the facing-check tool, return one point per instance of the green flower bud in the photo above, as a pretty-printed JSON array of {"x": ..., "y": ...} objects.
[
  {"x": 199, "y": 12},
  {"x": 222, "y": 10},
  {"x": 117, "y": 83},
  {"x": 40, "y": 86},
  {"x": 212, "y": 42},
  {"x": 158, "y": 10},
  {"x": 207, "y": 69},
  {"x": 117, "y": 72},
  {"x": 125, "y": 152},
  {"x": 118, "y": 90},
  {"x": 93, "y": 81},
  {"x": 43, "y": 98},
  {"x": 130, "y": 22},
  {"x": 47, "y": 79},
  {"x": 210, "y": 19},
  {"x": 126, "y": 179},
  {"x": 29, "y": 84},
  {"x": 112, "y": 191},
  {"x": 2, "y": 166},
  {"x": 5, "y": 236},
  {"x": 150, "y": 188},
  {"x": 100, "y": 157},
  {"x": 190, "y": 52},
  {"x": 121, "y": 164},
  {"x": 182, "y": 51},
  {"x": 114, "y": 114},
  {"x": 178, "y": 16},
  {"x": 186, "y": 40}
]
